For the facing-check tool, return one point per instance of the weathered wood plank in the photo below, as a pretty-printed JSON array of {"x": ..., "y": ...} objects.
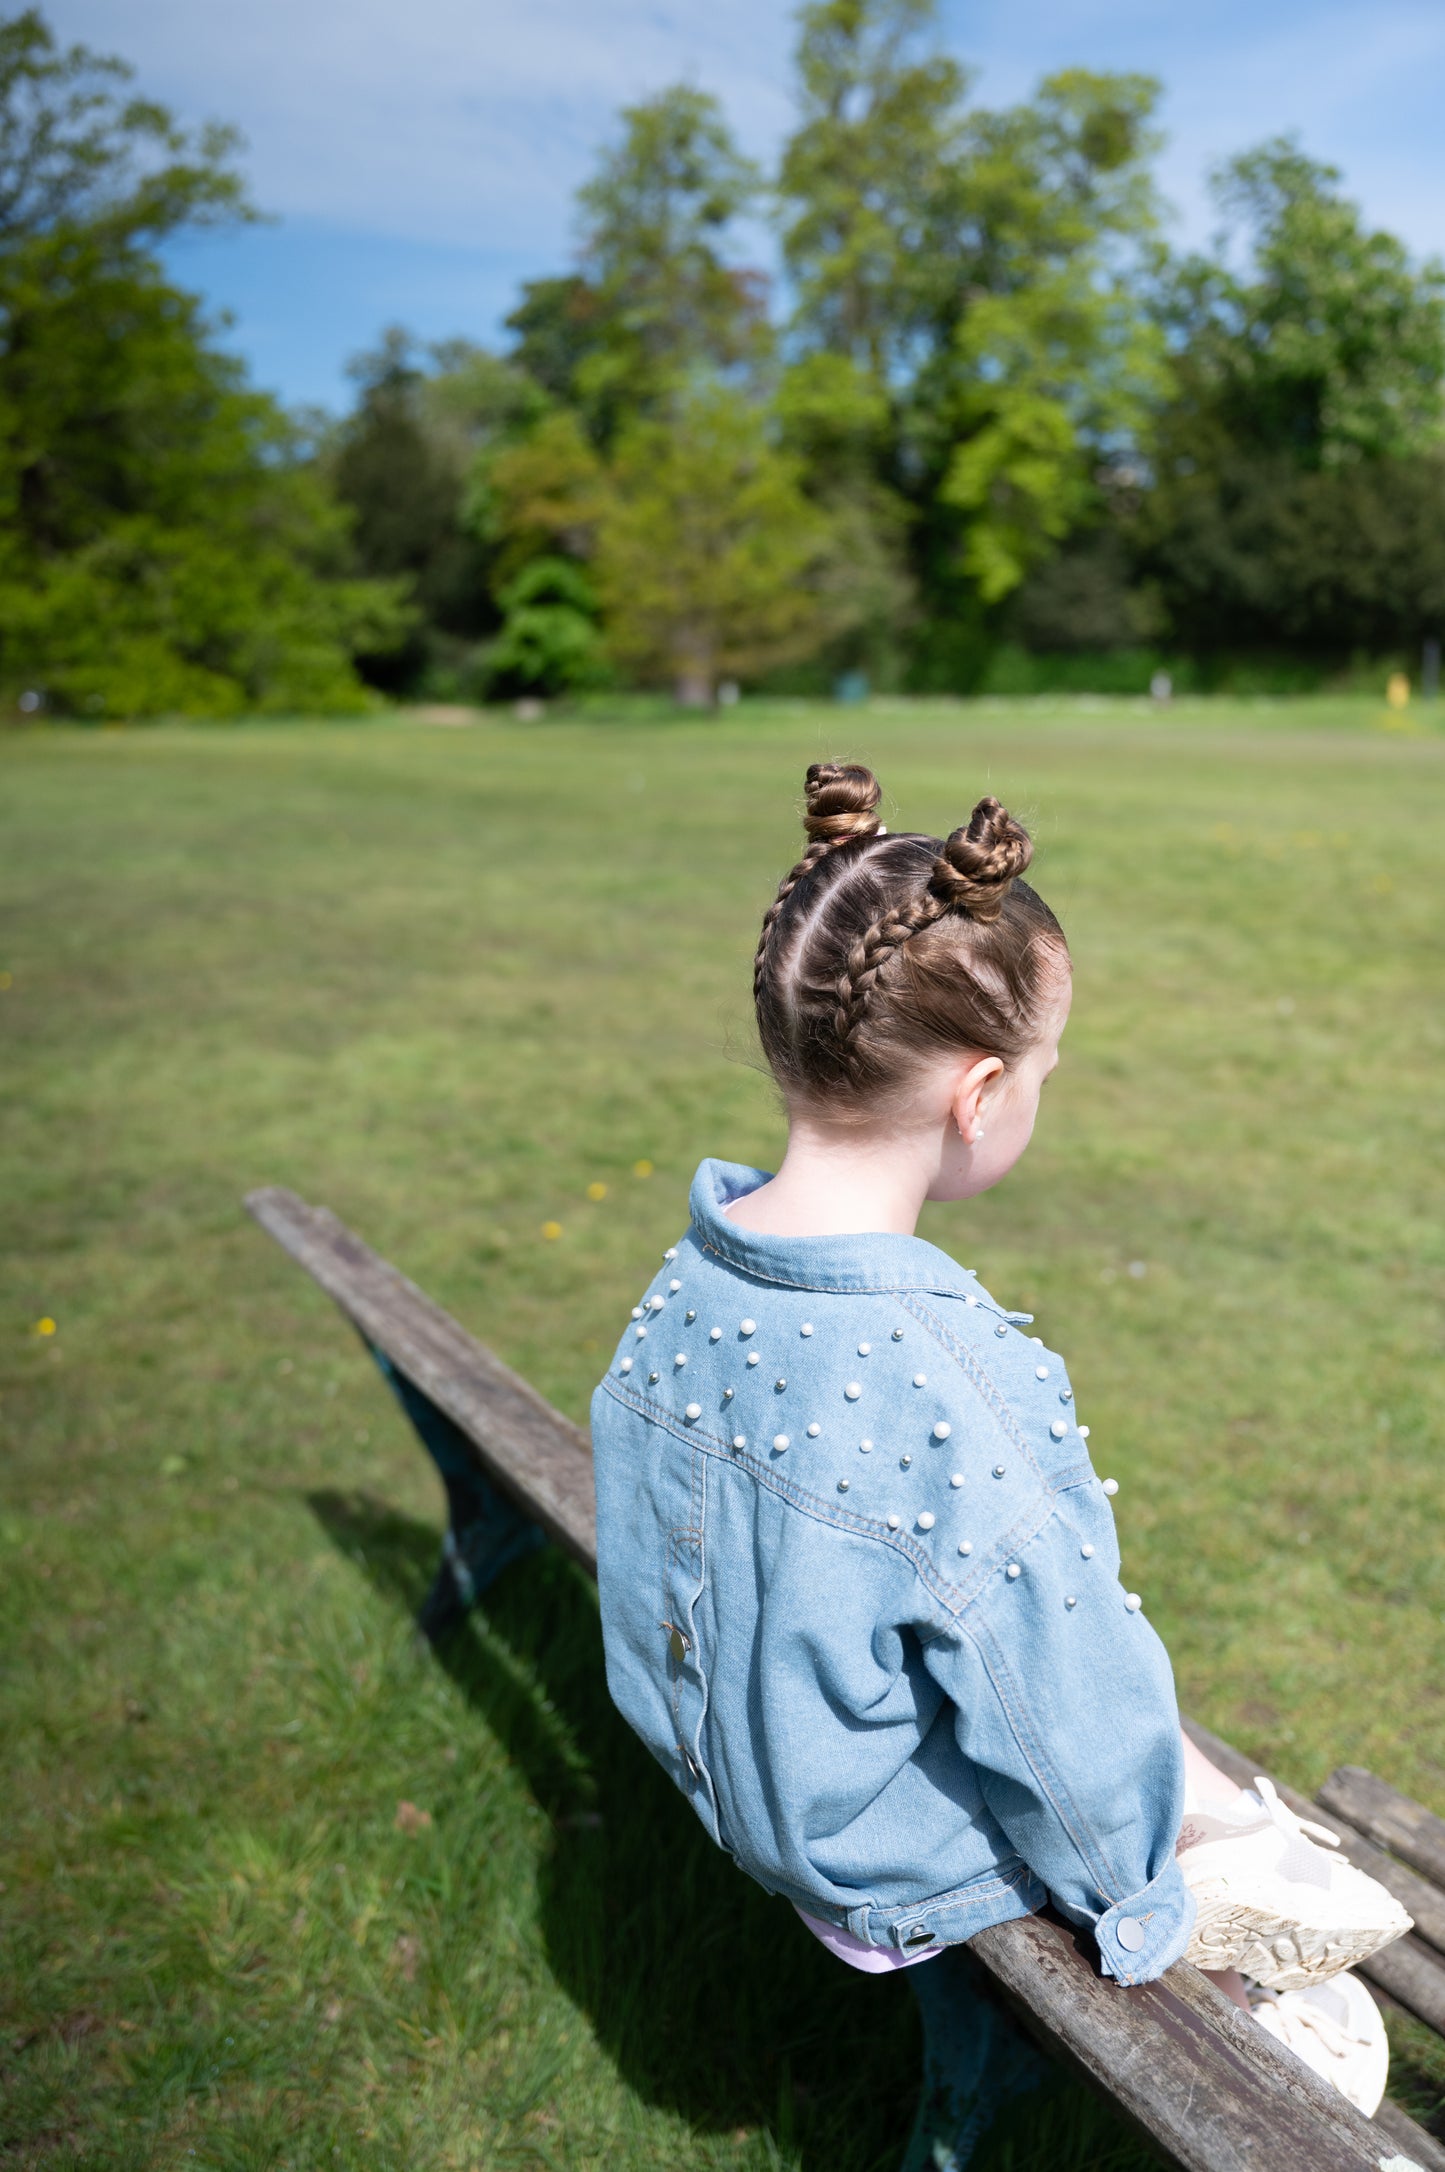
[
  {"x": 1213, "y": 2091},
  {"x": 1422, "y": 1900},
  {"x": 1412, "y": 2139},
  {"x": 528, "y": 1449},
  {"x": 1407, "y": 1828},
  {"x": 1193, "y": 2073}
]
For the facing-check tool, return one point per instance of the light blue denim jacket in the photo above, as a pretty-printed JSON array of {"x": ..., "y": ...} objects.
[{"x": 860, "y": 1595}]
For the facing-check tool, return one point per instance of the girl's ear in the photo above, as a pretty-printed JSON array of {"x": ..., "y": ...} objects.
[{"x": 972, "y": 1089}]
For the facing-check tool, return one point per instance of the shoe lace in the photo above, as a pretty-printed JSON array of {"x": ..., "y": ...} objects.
[
  {"x": 1281, "y": 1815},
  {"x": 1336, "y": 2039}
]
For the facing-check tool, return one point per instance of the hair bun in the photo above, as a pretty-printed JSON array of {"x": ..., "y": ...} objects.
[
  {"x": 842, "y": 802},
  {"x": 979, "y": 862}
]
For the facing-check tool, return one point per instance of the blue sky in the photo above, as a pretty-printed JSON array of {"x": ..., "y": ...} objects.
[{"x": 420, "y": 156}]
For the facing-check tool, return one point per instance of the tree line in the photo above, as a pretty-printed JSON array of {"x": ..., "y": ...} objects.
[{"x": 986, "y": 429}]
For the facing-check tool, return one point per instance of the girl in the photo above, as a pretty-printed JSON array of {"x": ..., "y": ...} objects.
[{"x": 859, "y": 1581}]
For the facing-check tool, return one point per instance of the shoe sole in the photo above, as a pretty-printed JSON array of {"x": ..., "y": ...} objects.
[{"x": 1279, "y": 1951}]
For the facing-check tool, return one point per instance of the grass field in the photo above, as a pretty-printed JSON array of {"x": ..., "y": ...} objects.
[{"x": 444, "y": 981}]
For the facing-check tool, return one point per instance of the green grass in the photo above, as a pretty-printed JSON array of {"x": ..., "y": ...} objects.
[{"x": 442, "y": 981}]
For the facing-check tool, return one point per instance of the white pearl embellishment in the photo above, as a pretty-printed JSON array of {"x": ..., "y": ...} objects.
[
  {"x": 925, "y": 1521},
  {"x": 752, "y": 1357},
  {"x": 693, "y": 1410},
  {"x": 740, "y": 1440},
  {"x": 1041, "y": 1372},
  {"x": 806, "y": 1328},
  {"x": 747, "y": 1327},
  {"x": 813, "y": 1431},
  {"x": 681, "y": 1358},
  {"x": 1087, "y": 1551},
  {"x": 865, "y": 1447},
  {"x": 998, "y": 1470},
  {"x": 865, "y": 1349},
  {"x": 942, "y": 1430},
  {"x": 637, "y": 1312},
  {"x": 1058, "y": 1429},
  {"x": 920, "y": 1380},
  {"x": 1071, "y": 1600},
  {"x": 714, "y": 1334},
  {"x": 1133, "y": 1601},
  {"x": 965, "y": 1546},
  {"x": 853, "y": 1391},
  {"x": 674, "y": 1284},
  {"x": 1013, "y": 1570},
  {"x": 657, "y": 1302},
  {"x": 1111, "y": 1485},
  {"x": 625, "y": 1366},
  {"x": 781, "y": 1441},
  {"x": 957, "y": 1479},
  {"x": 894, "y": 1522}
]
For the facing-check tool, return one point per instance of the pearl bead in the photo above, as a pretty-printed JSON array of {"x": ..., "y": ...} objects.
[
  {"x": 957, "y": 1480},
  {"x": 637, "y": 1312},
  {"x": 740, "y": 1440},
  {"x": 1071, "y": 1600},
  {"x": 681, "y": 1358},
  {"x": 1041, "y": 1372},
  {"x": 970, "y": 1299},
  {"x": 674, "y": 1284},
  {"x": 1037, "y": 1340},
  {"x": 657, "y": 1301},
  {"x": 625, "y": 1366},
  {"x": 640, "y": 1333},
  {"x": 1002, "y": 1328},
  {"x": 1111, "y": 1485},
  {"x": 1012, "y": 1571},
  {"x": 894, "y": 1522},
  {"x": 998, "y": 1470},
  {"x": 806, "y": 1328},
  {"x": 925, "y": 1521},
  {"x": 693, "y": 1410},
  {"x": 1133, "y": 1601},
  {"x": 747, "y": 1327},
  {"x": 853, "y": 1391},
  {"x": 898, "y": 1334},
  {"x": 942, "y": 1430},
  {"x": 752, "y": 1357},
  {"x": 714, "y": 1334},
  {"x": 865, "y": 1349},
  {"x": 920, "y": 1380},
  {"x": 1058, "y": 1429},
  {"x": 865, "y": 1447},
  {"x": 842, "y": 1485},
  {"x": 814, "y": 1430},
  {"x": 781, "y": 1441},
  {"x": 965, "y": 1546},
  {"x": 1083, "y": 1432},
  {"x": 1087, "y": 1551},
  {"x": 671, "y": 1252},
  {"x": 1066, "y": 1395}
]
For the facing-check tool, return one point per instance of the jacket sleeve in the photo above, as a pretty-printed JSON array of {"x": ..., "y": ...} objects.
[{"x": 1064, "y": 1703}]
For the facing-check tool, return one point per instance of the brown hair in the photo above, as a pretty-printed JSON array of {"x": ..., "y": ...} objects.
[{"x": 879, "y": 951}]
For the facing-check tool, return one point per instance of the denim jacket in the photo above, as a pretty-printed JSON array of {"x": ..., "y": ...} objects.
[{"x": 860, "y": 1595}]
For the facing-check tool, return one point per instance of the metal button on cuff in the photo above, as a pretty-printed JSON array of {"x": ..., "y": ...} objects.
[{"x": 1129, "y": 1932}]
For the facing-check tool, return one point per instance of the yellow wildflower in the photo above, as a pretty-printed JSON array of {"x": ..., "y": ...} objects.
[
  {"x": 45, "y": 1326},
  {"x": 551, "y": 1231},
  {"x": 642, "y": 1168},
  {"x": 596, "y": 1192}
]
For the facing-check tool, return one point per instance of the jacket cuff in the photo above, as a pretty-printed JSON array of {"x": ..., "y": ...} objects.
[{"x": 1140, "y": 1937}]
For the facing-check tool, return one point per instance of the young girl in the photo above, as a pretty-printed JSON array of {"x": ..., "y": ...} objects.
[{"x": 859, "y": 1581}]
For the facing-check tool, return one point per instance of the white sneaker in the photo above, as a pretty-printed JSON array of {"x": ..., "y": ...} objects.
[
  {"x": 1335, "y": 2028},
  {"x": 1274, "y": 1905}
]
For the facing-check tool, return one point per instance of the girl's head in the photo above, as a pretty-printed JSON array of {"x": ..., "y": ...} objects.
[{"x": 906, "y": 981}]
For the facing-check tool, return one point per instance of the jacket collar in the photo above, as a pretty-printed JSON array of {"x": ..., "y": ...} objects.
[{"x": 881, "y": 1261}]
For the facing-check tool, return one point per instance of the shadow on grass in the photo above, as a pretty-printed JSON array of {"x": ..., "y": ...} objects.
[{"x": 712, "y": 1999}]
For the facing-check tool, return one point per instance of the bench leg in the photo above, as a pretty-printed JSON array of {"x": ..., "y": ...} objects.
[
  {"x": 485, "y": 1533},
  {"x": 976, "y": 2058}
]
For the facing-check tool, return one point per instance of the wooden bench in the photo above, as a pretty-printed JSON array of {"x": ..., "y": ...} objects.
[{"x": 1213, "y": 2092}]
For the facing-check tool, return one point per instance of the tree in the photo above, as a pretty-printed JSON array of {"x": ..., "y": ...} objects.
[
  {"x": 863, "y": 176},
  {"x": 165, "y": 541},
  {"x": 661, "y": 300},
  {"x": 707, "y": 548},
  {"x": 549, "y": 642}
]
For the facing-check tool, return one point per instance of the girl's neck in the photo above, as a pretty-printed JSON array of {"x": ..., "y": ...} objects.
[{"x": 842, "y": 1185}]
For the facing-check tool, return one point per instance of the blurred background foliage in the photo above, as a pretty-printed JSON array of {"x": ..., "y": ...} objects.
[{"x": 982, "y": 430}]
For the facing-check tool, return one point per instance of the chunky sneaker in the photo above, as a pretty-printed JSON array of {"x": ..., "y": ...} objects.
[
  {"x": 1271, "y": 1903},
  {"x": 1335, "y": 2028}
]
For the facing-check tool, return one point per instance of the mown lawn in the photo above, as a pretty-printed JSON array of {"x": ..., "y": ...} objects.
[{"x": 444, "y": 981}]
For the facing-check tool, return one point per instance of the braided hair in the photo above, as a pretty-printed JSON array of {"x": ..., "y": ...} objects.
[{"x": 880, "y": 951}]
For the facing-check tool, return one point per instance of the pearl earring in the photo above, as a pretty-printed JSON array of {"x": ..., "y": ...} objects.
[{"x": 978, "y": 1134}]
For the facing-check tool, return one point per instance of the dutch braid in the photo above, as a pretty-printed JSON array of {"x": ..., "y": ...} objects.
[{"x": 841, "y": 804}]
